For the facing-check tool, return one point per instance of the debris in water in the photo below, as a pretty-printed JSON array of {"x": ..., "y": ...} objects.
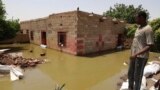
[{"x": 6, "y": 59}]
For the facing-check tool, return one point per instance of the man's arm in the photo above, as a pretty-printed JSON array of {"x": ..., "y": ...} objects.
[{"x": 145, "y": 49}]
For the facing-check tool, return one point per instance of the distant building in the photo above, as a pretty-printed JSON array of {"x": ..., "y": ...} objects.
[{"x": 75, "y": 32}]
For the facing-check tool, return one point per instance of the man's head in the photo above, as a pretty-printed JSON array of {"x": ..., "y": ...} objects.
[{"x": 141, "y": 17}]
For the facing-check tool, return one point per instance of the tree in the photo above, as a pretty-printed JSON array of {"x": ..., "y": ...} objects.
[
  {"x": 2, "y": 10},
  {"x": 125, "y": 12},
  {"x": 155, "y": 24},
  {"x": 8, "y": 28}
]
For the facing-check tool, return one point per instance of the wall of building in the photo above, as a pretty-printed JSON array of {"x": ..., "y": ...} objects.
[
  {"x": 62, "y": 22},
  {"x": 96, "y": 34},
  {"x": 36, "y": 26},
  {"x": 84, "y": 33},
  {"x": 25, "y": 26}
]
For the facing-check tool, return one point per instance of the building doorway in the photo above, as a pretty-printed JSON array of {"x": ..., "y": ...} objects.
[
  {"x": 43, "y": 38},
  {"x": 120, "y": 40},
  {"x": 62, "y": 39},
  {"x": 32, "y": 35}
]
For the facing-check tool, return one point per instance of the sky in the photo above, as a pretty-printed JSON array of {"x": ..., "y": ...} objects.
[{"x": 32, "y": 9}]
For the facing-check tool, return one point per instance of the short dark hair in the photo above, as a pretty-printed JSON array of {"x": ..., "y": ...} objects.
[{"x": 142, "y": 14}]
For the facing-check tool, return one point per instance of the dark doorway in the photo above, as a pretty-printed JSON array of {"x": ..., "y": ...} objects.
[
  {"x": 62, "y": 39},
  {"x": 120, "y": 40},
  {"x": 32, "y": 35},
  {"x": 43, "y": 38}
]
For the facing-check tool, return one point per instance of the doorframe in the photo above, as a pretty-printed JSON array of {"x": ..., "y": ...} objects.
[
  {"x": 44, "y": 37},
  {"x": 58, "y": 38}
]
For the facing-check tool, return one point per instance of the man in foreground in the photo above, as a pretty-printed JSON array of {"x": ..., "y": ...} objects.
[{"x": 142, "y": 42}]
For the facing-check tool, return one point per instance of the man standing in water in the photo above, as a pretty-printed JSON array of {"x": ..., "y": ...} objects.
[{"x": 142, "y": 42}]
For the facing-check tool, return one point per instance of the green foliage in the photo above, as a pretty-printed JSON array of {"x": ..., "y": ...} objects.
[
  {"x": 157, "y": 39},
  {"x": 125, "y": 12},
  {"x": 155, "y": 24},
  {"x": 157, "y": 36},
  {"x": 2, "y": 10},
  {"x": 156, "y": 28},
  {"x": 14, "y": 25},
  {"x": 130, "y": 30},
  {"x": 8, "y": 28}
]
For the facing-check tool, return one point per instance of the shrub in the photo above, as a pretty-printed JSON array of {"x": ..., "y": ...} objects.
[
  {"x": 155, "y": 24},
  {"x": 157, "y": 39},
  {"x": 8, "y": 29},
  {"x": 130, "y": 30}
]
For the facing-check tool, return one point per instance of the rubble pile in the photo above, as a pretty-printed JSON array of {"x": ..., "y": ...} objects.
[{"x": 6, "y": 59}]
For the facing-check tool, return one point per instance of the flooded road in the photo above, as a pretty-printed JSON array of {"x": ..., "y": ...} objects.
[{"x": 78, "y": 73}]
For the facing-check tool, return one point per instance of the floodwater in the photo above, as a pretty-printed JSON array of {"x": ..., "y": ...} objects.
[{"x": 78, "y": 73}]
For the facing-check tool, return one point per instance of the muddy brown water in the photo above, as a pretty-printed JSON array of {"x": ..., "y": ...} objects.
[{"x": 78, "y": 73}]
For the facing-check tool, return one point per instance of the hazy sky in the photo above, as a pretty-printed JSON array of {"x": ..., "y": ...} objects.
[{"x": 31, "y": 9}]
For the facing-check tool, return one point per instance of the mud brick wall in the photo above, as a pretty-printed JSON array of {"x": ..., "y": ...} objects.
[
  {"x": 36, "y": 34},
  {"x": 41, "y": 26},
  {"x": 96, "y": 34},
  {"x": 84, "y": 33},
  {"x": 63, "y": 22},
  {"x": 25, "y": 26}
]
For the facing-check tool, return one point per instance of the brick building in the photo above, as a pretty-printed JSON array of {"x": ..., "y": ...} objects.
[{"x": 75, "y": 32}]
